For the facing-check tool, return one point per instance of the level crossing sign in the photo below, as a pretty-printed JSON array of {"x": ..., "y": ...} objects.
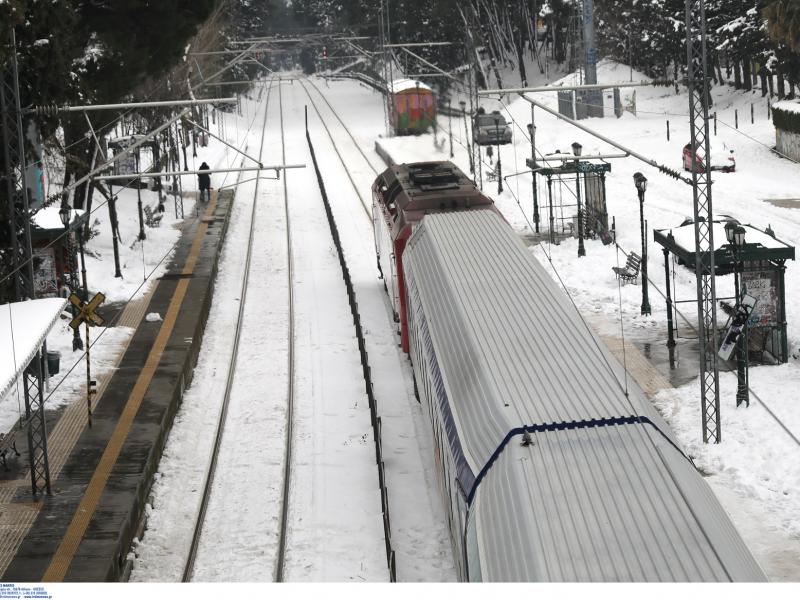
[{"x": 86, "y": 310}]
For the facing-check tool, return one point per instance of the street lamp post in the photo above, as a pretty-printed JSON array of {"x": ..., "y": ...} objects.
[
  {"x": 419, "y": 109},
  {"x": 641, "y": 185},
  {"x": 577, "y": 149},
  {"x": 532, "y": 135},
  {"x": 499, "y": 167},
  {"x": 450, "y": 125},
  {"x": 463, "y": 104},
  {"x": 142, "y": 235},
  {"x": 65, "y": 214},
  {"x": 735, "y": 236}
]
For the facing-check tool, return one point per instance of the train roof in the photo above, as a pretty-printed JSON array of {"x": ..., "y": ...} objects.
[
  {"x": 407, "y": 85},
  {"x": 541, "y": 426},
  {"x": 414, "y": 189}
]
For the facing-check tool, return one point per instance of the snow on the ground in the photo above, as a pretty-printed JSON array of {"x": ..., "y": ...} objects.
[
  {"x": 742, "y": 465},
  {"x": 335, "y": 530},
  {"x": 418, "y": 520},
  {"x": 754, "y": 471},
  {"x": 335, "y": 522},
  {"x": 179, "y": 481}
]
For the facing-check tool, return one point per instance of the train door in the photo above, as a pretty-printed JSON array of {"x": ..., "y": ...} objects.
[{"x": 394, "y": 293}]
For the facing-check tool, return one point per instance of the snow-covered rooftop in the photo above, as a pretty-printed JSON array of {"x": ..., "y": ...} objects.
[
  {"x": 27, "y": 324},
  {"x": 50, "y": 217},
  {"x": 684, "y": 236},
  {"x": 792, "y": 106},
  {"x": 402, "y": 85}
]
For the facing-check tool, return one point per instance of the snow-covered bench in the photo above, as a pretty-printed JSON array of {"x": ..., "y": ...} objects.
[
  {"x": 150, "y": 218},
  {"x": 631, "y": 269}
]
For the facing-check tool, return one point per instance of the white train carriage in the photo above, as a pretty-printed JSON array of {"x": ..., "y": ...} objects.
[{"x": 549, "y": 471}]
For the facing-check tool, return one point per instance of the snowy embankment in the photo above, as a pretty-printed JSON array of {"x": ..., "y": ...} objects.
[
  {"x": 754, "y": 470},
  {"x": 141, "y": 263}
]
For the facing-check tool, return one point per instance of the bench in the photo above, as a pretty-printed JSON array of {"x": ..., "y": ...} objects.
[
  {"x": 151, "y": 219},
  {"x": 8, "y": 447},
  {"x": 631, "y": 269}
]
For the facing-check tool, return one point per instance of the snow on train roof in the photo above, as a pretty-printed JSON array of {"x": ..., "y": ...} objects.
[
  {"x": 403, "y": 85},
  {"x": 612, "y": 502}
]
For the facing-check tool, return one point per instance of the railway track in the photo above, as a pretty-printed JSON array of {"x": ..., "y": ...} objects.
[
  {"x": 287, "y": 472},
  {"x": 233, "y": 365},
  {"x": 306, "y": 84}
]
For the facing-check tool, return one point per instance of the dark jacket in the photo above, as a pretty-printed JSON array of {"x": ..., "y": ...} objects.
[{"x": 204, "y": 179}]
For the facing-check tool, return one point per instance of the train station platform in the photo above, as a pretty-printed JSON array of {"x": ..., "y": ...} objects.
[{"x": 101, "y": 476}]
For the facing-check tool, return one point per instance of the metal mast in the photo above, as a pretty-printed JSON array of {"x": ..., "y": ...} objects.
[
  {"x": 384, "y": 38},
  {"x": 703, "y": 218},
  {"x": 19, "y": 261}
]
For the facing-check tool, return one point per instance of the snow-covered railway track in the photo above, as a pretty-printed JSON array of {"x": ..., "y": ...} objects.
[
  {"x": 235, "y": 369},
  {"x": 326, "y": 122}
]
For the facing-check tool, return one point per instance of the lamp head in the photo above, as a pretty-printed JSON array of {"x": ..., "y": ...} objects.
[
  {"x": 730, "y": 228},
  {"x": 577, "y": 149},
  {"x": 640, "y": 181},
  {"x": 738, "y": 235}
]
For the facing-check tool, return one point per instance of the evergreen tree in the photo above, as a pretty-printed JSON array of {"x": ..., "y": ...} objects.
[{"x": 783, "y": 22}]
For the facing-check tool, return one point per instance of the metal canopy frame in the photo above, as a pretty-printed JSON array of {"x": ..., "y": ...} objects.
[
  {"x": 21, "y": 263},
  {"x": 753, "y": 257}
]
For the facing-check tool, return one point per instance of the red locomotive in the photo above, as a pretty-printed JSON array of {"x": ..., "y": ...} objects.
[{"x": 401, "y": 196}]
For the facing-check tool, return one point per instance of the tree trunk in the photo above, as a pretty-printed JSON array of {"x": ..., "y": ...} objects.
[
  {"x": 746, "y": 77},
  {"x": 779, "y": 77},
  {"x": 77, "y": 161},
  {"x": 737, "y": 75},
  {"x": 521, "y": 59}
]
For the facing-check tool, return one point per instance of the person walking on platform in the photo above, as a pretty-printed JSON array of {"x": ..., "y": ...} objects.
[{"x": 204, "y": 181}]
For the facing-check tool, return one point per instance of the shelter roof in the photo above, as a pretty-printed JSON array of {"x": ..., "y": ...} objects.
[
  {"x": 49, "y": 219},
  {"x": 23, "y": 329},
  {"x": 759, "y": 245},
  {"x": 792, "y": 106}
]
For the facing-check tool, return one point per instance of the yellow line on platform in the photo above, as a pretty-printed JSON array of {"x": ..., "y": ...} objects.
[{"x": 63, "y": 556}]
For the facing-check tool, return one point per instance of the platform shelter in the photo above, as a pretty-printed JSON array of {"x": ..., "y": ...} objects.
[{"x": 760, "y": 263}]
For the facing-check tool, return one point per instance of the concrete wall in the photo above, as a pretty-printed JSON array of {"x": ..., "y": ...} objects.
[{"x": 788, "y": 143}]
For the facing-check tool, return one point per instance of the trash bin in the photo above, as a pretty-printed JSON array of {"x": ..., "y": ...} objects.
[{"x": 53, "y": 362}]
